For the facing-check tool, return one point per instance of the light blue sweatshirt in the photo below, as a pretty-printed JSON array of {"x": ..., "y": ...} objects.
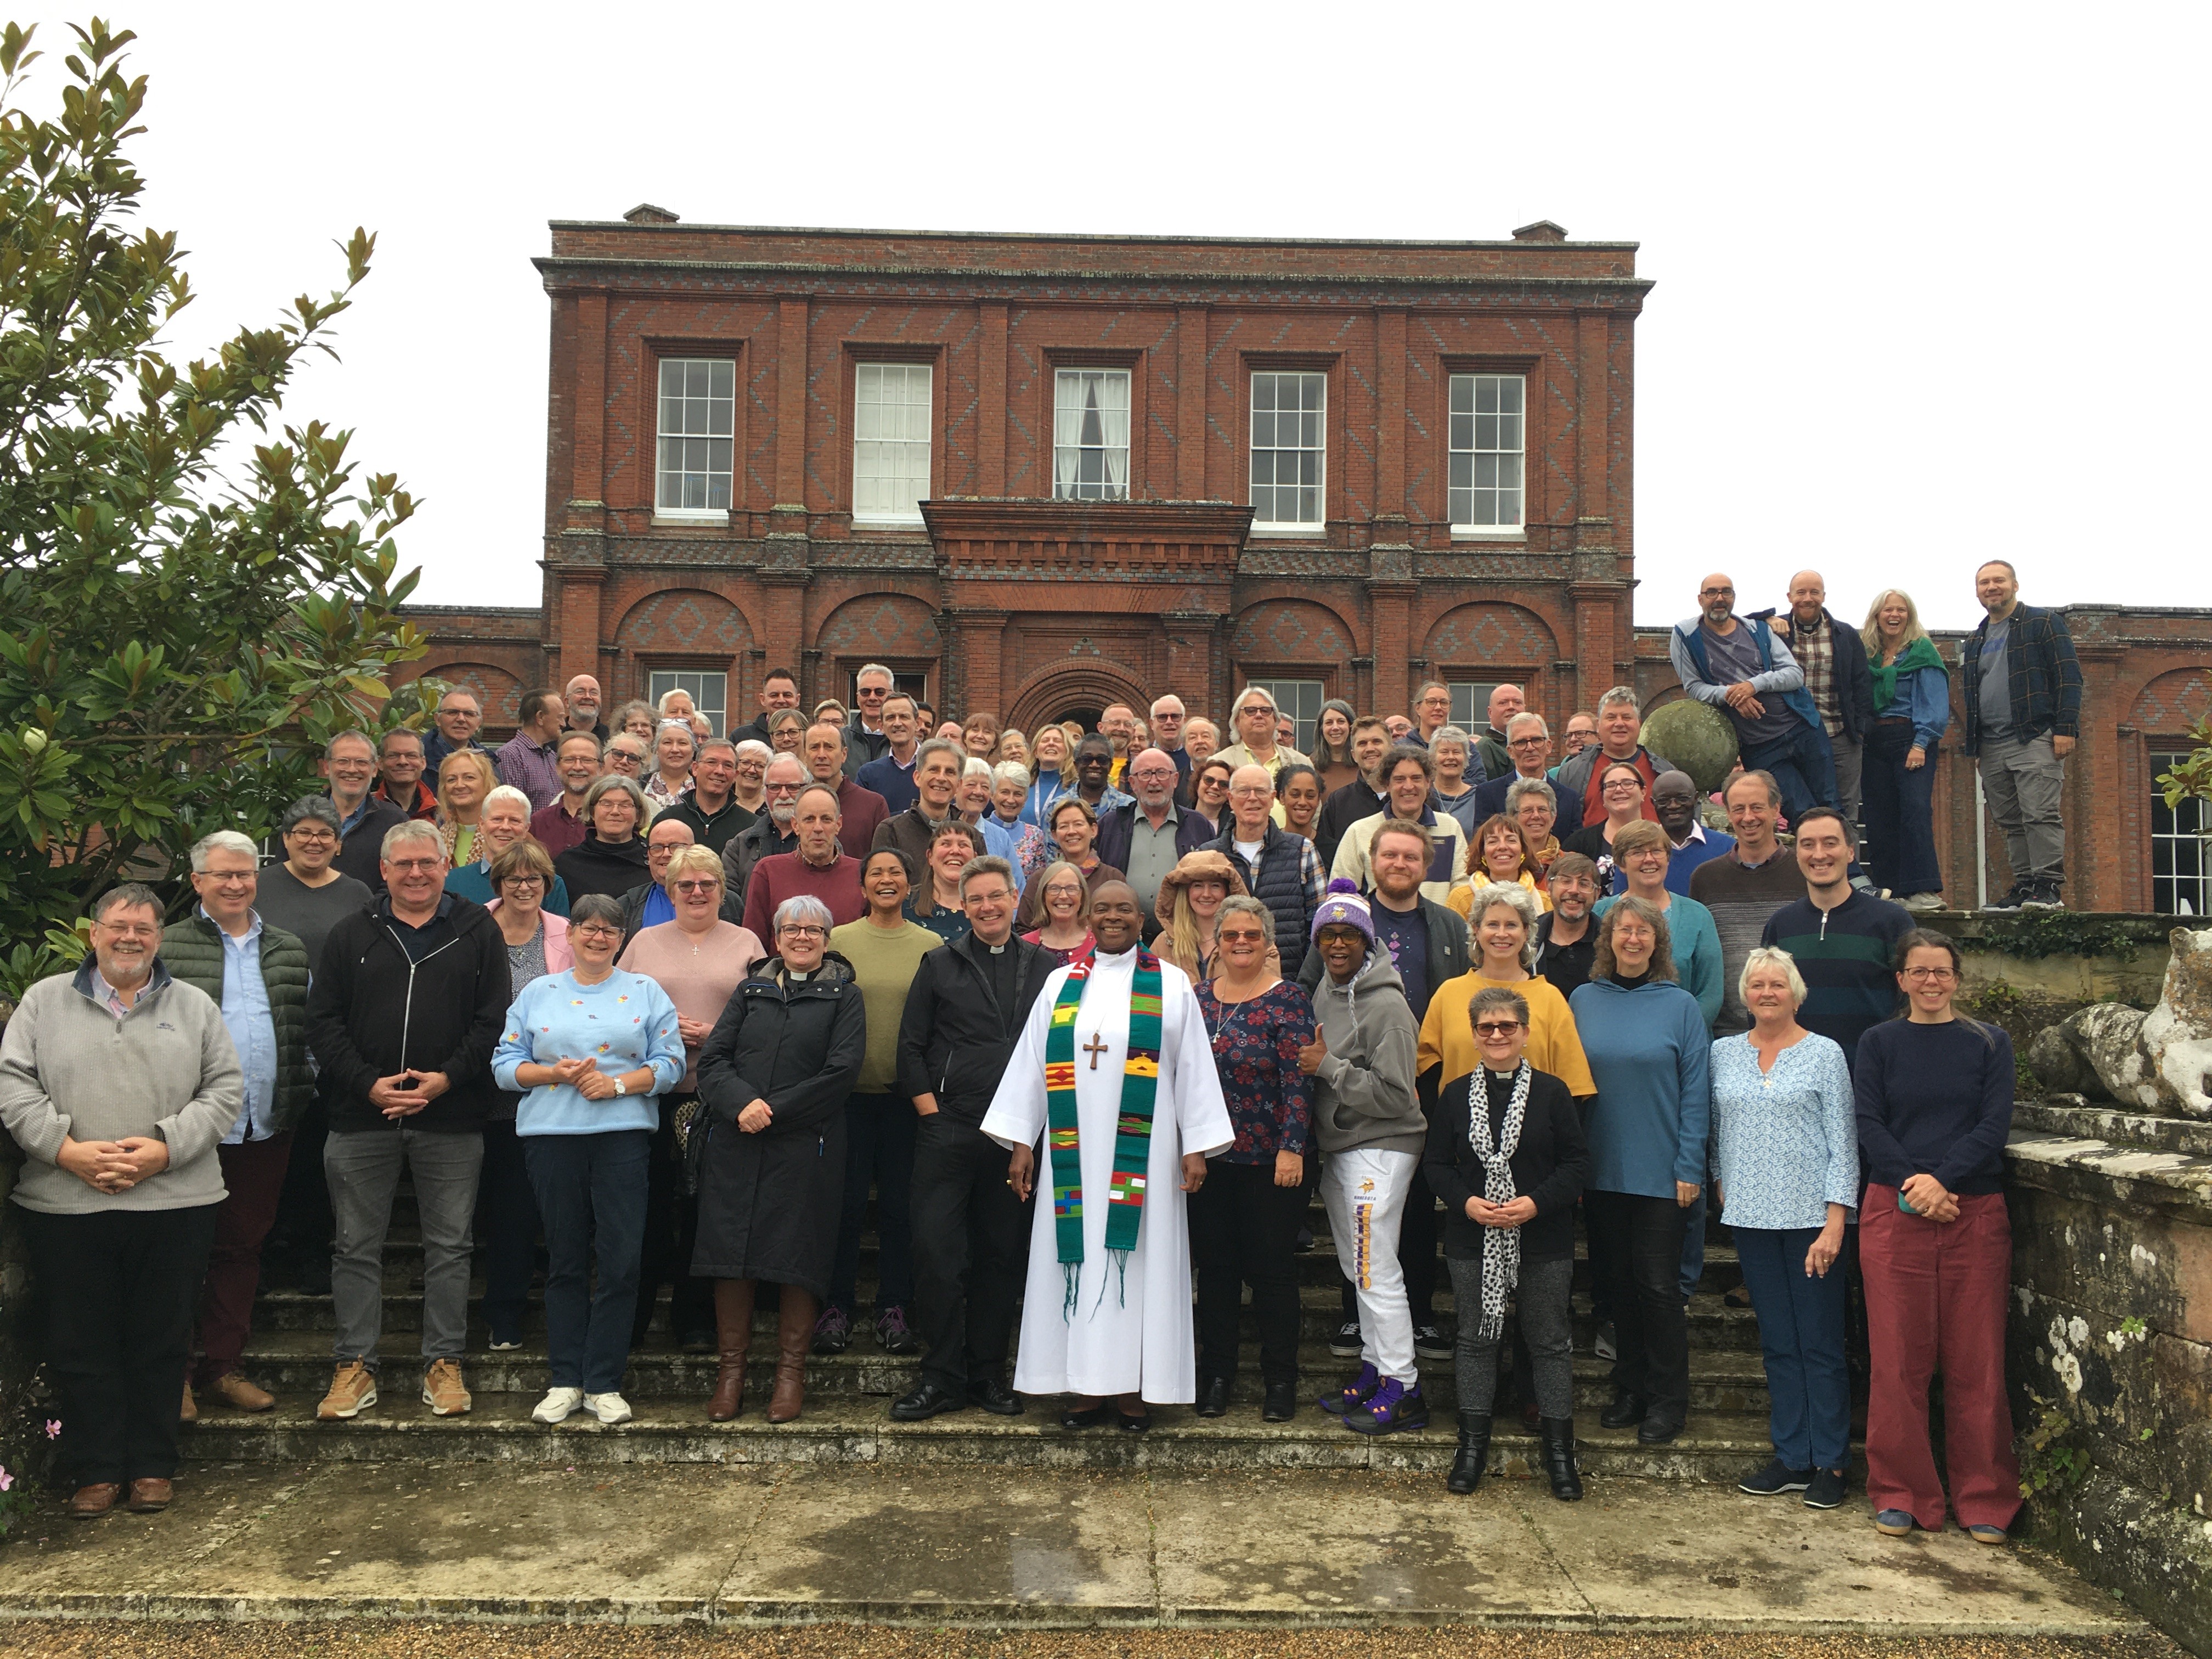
[
  {"x": 1652, "y": 1058},
  {"x": 625, "y": 1021},
  {"x": 1697, "y": 952}
]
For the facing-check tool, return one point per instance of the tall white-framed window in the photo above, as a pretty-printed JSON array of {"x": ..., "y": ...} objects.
[
  {"x": 2180, "y": 857},
  {"x": 890, "y": 441},
  {"x": 1301, "y": 700},
  {"x": 710, "y": 692},
  {"x": 1090, "y": 434},
  {"x": 698, "y": 410},
  {"x": 1290, "y": 449},
  {"x": 1488, "y": 447}
]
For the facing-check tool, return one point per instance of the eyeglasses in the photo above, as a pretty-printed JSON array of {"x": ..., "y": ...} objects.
[
  {"x": 704, "y": 885},
  {"x": 410, "y": 866},
  {"x": 1243, "y": 936},
  {"x": 784, "y": 788},
  {"x": 596, "y": 930},
  {"x": 1931, "y": 975},
  {"x": 1526, "y": 743},
  {"x": 1622, "y": 783},
  {"x": 1497, "y": 1027},
  {"x": 467, "y": 714},
  {"x": 804, "y": 930},
  {"x": 311, "y": 833},
  {"x": 524, "y": 881}
]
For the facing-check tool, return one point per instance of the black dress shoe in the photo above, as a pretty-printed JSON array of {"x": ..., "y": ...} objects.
[
  {"x": 1280, "y": 1403},
  {"x": 1086, "y": 1419},
  {"x": 1136, "y": 1425},
  {"x": 995, "y": 1397},
  {"x": 1213, "y": 1397},
  {"x": 1626, "y": 1408},
  {"x": 1659, "y": 1428},
  {"x": 926, "y": 1402}
]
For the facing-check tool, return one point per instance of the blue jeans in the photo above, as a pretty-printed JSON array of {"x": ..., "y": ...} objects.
[
  {"x": 1901, "y": 813},
  {"x": 1804, "y": 766},
  {"x": 590, "y": 1192},
  {"x": 1801, "y": 1332}
]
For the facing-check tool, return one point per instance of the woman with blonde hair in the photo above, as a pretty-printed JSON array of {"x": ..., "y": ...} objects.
[
  {"x": 465, "y": 780},
  {"x": 1052, "y": 771},
  {"x": 1498, "y": 853},
  {"x": 1912, "y": 710},
  {"x": 1189, "y": 907},
  {"x": 674, "y": 748}
]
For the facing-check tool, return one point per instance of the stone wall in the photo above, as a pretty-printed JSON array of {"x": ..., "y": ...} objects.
[{"x": 2112, "y": 1326}]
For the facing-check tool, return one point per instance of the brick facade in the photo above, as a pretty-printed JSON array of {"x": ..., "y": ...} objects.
[{"x": 1003, "y": 598}]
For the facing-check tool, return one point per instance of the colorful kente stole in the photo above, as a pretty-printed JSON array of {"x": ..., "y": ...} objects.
[{"x": 1133, "y": 1136}]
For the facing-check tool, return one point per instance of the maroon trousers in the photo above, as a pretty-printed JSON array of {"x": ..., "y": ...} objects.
[
  {"x": 1935, "y": 1302},
  {"x": 253, "y": 1174}
]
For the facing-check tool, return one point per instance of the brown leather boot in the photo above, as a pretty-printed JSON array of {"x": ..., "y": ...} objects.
[
  {"x": 795, "y": 1335},
  {"x": 733, "y": 1330}
]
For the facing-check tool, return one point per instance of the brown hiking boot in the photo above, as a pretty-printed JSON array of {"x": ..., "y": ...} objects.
[
  {"x": 234, "y": 1388},
  {"x": 353, "y": 1391},
  {"x": 442, "y": 1389},
  {"x": 733, "y": 1333},
  {"x": 190, "y": 1411},
  {"x": 794, "y": 1336}
]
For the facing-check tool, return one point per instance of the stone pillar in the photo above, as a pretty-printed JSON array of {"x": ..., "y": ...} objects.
[{"x": 991, "y": 404}]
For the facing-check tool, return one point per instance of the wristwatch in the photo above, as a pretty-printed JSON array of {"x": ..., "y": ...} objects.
[{"x": 619, "y": 1089}]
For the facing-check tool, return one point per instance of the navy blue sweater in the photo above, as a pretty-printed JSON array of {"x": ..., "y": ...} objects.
[
  {"x": 1848, "y": 957},
  {"x": 1934, "y": 1100}
]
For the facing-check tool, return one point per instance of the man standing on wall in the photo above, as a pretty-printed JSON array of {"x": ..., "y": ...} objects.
[{"x": 2022, "y": 688}]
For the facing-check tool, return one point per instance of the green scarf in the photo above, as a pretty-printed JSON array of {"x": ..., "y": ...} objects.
[
  {"x": 1921, "y": 653},
  {"x": 1133, "y": 1138}
]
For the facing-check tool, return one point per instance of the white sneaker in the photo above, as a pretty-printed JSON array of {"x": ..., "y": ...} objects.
[
  {"x": 609, "y": 1408},
  {"x": 558, "y": 1406},
  {"x": 1924, "y": 902}
]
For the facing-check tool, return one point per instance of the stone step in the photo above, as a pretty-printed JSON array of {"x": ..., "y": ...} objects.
[
  {"x": 296, "y": 1365},
  {"x": 1713, "y": 1446},
  {"x": 1712, "y": 1323}
]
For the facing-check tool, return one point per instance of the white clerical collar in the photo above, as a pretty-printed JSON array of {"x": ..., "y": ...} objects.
[{"x": 1105, "y": 955}]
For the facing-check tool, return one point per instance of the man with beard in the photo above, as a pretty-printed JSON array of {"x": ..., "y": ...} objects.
[{"x": 772, "y": 832}]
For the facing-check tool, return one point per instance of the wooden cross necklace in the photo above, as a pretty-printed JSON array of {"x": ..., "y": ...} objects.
[{"x": 1095, "y": 1048}]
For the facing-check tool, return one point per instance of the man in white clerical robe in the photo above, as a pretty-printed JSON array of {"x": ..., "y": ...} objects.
[{"x": 1128, "y": 1333}]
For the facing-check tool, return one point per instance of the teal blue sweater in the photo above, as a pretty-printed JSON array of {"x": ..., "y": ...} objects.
[
  {"x": 1697, "y": 952},
  {"x": 1652, "y": 1058}
]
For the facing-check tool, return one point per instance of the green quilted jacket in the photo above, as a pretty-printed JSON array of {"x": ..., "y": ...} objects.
[{"x": 193, "y": 948}]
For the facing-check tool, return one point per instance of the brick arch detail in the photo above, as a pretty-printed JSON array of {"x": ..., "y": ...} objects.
[
  {"x": 1487, "y": 632},
  {"x": 1092, "y": 680},
  {"x": 881, "y": 625},
  {"x": 498, "y": 692},
  {"x": 2174, "y": 701},
  {"x": 1276, "y": 631},
  {"x": 684, "y": 621}
]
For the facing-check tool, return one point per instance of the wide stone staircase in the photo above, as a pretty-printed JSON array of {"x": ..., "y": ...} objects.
[{"x": 847, "y": 1416}]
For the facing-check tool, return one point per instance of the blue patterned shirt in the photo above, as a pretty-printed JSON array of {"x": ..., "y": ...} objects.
[{"x": 1785, "y": 1142}]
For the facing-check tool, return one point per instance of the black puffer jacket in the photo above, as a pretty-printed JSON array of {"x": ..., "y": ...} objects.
[
  {"x": 954, "y": 1037},
  {"x": 193, "y": 950},
  {"x": 769, "y": 1202}
]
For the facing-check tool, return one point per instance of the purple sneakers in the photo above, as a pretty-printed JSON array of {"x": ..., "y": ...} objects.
[
  {"x": 1392, "y": 1407},
  {"x": 1354, "y": 1394},
  {"x": 833, "y": 1331},
  {"x": 894, "y": 1335}
]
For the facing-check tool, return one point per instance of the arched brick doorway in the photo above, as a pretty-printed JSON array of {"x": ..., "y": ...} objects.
[{"x": 1077, "y": 690}]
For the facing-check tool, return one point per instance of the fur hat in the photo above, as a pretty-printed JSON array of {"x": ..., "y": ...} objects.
[{"x": 1343, "y": 906}]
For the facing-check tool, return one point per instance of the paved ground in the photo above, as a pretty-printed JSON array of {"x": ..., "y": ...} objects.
[{"x": 1308, "y": 1550}]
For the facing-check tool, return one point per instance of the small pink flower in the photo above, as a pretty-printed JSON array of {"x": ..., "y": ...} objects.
[
  {"x": 54, "y": 1428},
  {"x": 6, "y": 1481}
]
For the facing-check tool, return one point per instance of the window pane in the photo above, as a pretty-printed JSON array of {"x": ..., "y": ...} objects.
[
  {"x": 890, "y": 440},
  {"x": 1289, "y": 447},
  {"x": 698, "y": 414},
  {"x": 1485, "y": 451},
  {"x": 1091, "y": 434}
]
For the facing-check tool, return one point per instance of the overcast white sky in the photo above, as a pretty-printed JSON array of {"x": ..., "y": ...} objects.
[{"x": 1929, "y": 277}]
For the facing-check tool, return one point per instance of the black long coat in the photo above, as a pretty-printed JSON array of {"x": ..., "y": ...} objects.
[{"x": 768, "y": 1203}]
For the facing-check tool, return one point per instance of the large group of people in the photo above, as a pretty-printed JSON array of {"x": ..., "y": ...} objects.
[{"x": 699, "y": 1012}]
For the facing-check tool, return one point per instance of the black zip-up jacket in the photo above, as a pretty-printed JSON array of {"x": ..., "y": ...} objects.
[
  {"x": 1550, "y": 1163},
  {"x": 372, "y": 1013},
  {"x": 954, "y": 1038}
]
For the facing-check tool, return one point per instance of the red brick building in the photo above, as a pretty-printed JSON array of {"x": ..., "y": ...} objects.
[{"x": 1039, "y": 474}]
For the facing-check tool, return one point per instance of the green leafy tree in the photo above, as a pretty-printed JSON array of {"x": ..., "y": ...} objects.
[
  {"x": 189, "y": 604},
  {"x": 2191, "y": 779}
]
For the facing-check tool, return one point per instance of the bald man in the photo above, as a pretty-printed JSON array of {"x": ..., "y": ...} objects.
[{"x": 1837, "y": 678}]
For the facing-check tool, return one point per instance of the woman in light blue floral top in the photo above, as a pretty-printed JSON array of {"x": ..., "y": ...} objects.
[{"x": 1785, "y": 1152}]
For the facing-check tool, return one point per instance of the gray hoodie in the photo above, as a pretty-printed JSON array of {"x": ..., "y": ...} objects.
[
  {"x": 1365, "y": 1097},
  {"x": 70, "y": 1070}
]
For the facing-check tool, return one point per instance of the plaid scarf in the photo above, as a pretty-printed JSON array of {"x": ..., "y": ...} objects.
[{"x": 1140, "y": 1073}]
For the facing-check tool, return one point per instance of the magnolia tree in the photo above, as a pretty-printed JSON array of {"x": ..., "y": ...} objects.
[{"x": 192, "y": 595}]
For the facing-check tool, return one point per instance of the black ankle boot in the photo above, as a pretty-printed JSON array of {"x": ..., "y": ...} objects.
[
  {"x": 1628, "y": 1406},
  {"x": 1473, "y": 1453},
  {"x": 1559, "y": 1434}
]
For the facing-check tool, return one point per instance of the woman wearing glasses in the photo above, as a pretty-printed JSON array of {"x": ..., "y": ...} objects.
[
  {"x": 699, "y": 959},
  {"x": 306, "y": 894},
  {"x": 1934, "y": 1106},
  {"x": 594, "y": 1046},
  {"x": 1621, "y": 790},
  {"x": 773, "y": 1077},
  {"x": 1505, "y": 1154}
]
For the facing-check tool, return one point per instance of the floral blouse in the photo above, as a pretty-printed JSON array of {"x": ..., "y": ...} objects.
[{"x": 1255, "y": 1050}]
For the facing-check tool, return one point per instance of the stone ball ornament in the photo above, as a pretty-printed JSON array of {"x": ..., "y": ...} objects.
[{"x": 1697, "y": 737}]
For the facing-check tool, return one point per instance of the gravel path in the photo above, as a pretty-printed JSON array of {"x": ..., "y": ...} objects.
[{"x": 111, "y": 1640}]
